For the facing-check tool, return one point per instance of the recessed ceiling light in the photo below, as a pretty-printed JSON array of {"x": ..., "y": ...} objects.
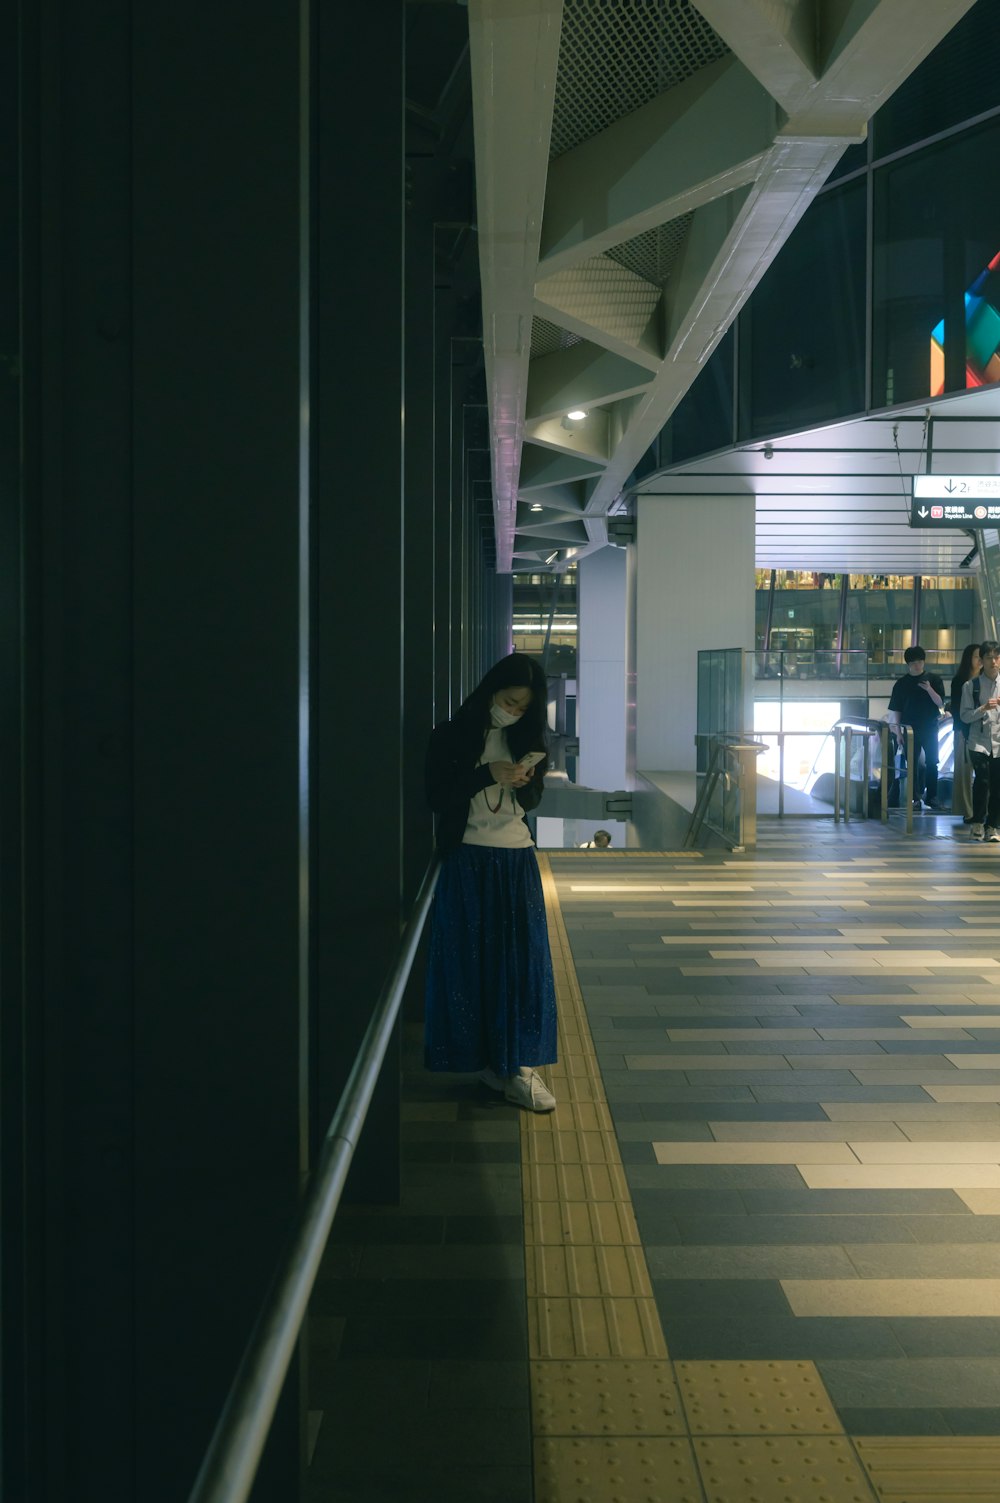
[
  {"x": 536, "y": 506},
  {"x": 577, "y": 415}
]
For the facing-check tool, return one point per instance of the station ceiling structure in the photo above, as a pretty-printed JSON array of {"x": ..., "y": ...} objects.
[
  {"x": 639, "y": 166},
  {"x": 837, "y": 499}
]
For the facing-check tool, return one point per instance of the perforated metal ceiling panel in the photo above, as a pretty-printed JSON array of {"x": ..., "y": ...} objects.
[
  {"x": 547, "y": 337},
  {"x": 654, "y": 254},
  {"x": 616, "y": 55}
]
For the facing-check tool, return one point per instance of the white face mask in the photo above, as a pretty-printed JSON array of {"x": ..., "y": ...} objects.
[{"x": 502, "y": 718}]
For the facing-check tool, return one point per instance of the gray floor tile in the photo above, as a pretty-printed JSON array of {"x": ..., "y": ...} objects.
[
  {"x": 930, "y": 1336},
  {"x": 900, "y": 1421},
  {"x": 955, "y": 1260},
  {"x": 784, "y": 1261},
  {"x": 669, "y": 1177},
  {"x": 917, "y": 1382},
  {"x": 856, "y": 1202},
  {"x": 720, "y": 1229}
]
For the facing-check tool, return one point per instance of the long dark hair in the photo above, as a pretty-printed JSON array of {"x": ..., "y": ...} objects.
[
  {"x": 965, "y": 666},
  {"x": 515, "y": 672}
]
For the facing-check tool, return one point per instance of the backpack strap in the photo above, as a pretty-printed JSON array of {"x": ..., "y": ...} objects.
[{"x": 975, "y": 692}]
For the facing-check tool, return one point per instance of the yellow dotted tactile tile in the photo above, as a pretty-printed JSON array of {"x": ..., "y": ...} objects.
[
  {"x": 605, "y": 1398},
  {"x": 782, "y": 1469},
  {"x": 619, "y": 1470},
  {"x": 939, "y": 1469},
  {"x": 754, "y": 1398}
]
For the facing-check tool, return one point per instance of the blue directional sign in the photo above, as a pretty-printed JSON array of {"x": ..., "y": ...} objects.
[{"x": 963, "y": 501}]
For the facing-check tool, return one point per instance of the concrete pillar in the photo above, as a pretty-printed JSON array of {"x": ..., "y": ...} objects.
[
  {"x": 601, "y": 596},
  {"x": 694, "y": 588}
]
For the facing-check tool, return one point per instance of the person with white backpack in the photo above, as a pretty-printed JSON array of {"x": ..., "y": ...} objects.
[{"x": 981, "y": 713}]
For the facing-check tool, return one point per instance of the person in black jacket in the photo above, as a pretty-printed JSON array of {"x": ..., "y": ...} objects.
[
  {"x": 917, "y": 700},
  {"x": 490, "y": 998}
]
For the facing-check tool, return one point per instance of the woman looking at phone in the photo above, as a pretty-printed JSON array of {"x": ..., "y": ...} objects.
[{"x": 490, "y": 1000}]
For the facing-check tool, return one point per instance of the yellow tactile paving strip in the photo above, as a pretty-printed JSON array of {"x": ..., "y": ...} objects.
[
  {"x": 933, "y": 1470},
  {"x": 614, "y": 1421}
]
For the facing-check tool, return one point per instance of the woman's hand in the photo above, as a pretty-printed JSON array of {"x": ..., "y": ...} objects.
[{"x": 510, "y": 775}]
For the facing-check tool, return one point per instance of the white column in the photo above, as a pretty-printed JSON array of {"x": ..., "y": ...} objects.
[
  {"x": 694, "y": 588},
  {"x": 601, "y": 668}
]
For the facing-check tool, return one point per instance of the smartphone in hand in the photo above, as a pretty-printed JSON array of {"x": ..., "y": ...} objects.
[{"x": 529, "y": 760}]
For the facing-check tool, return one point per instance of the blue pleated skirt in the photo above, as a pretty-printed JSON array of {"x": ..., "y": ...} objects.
[{"x": 490, "y": 998}]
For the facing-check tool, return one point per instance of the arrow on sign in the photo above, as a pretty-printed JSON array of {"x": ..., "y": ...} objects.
[
  {"x": 950, "y": 486},
  {"x": 922, "y": 512}
]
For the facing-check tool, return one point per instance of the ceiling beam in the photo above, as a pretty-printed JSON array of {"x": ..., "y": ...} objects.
[
  {"x": 831, "y": 52},
  {"x": 514, "y": 53},
  {"x": 582, "y": 376},
  {"x": 657, "y": 163},
  {"x": 541, "y": 468}
]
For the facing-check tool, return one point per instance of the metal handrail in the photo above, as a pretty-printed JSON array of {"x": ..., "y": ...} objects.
[
  {"x": 724, "y": 743},
  {"x": 233, "y": 1456},
  {"x": 843, "y": 732}
]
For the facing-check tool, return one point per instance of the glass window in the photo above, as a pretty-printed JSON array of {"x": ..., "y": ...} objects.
[
  {"x": 802, "y": 335},
  {"x": 854, "y": 158},
  {"x": 880, "y": 618},
  {"x": 936, "y": 287},
  {"x": 703, "y": 419},
  {"x": 958, "y": 81}
]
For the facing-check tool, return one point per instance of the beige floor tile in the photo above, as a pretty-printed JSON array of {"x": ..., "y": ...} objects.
[
  {"x": 901, "y": 1176},
  {"x": 754, "y": 1398},
  {"x": 588, "y": 1469},
  {"x": 780, "y": 1468},
  {"x": 955, "y": 1020},
  {"x": 928, "y": 1151},
  {"x": 893, "y": 1298},
  {"x": 605, "y": 1398},
  {"x": 926, "y": 1469},
  {"x": 756, "y": 1153},
  {"x": 975, "y": 1061},
  {"x": 952, "y": 1132},
  {"x": 981, "y": 1202},
  {"x": 969, "y": 1092}
]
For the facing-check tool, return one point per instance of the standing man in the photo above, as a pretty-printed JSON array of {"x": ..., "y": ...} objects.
[
  {"x": 981, "y": 713},
  {"x": 917, "y": 699}
]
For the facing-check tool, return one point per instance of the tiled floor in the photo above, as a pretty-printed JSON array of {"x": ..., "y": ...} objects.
[
  {"x": 805, "y": 1081},
  {"x": 771, "y": 1270}
]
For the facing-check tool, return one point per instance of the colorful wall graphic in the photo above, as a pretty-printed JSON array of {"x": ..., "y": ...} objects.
[{"x": 982, "y": 333}]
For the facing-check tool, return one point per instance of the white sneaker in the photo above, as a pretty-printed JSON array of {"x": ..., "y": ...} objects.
[
  {"x": 976, "y": 832},
  {"x": 527, "y": 1089},
  {"x": 494, "y": 1081},
  {"x": 992, "y": 835}
]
